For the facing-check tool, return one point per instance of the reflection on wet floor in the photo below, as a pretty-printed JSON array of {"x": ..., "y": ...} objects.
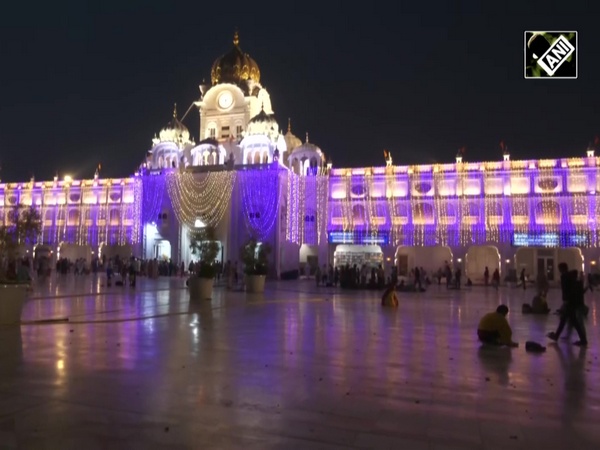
[{"x": 297, "y": 367}]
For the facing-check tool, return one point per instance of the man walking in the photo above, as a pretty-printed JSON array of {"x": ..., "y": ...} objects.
[{"x": 572, "y": 296}]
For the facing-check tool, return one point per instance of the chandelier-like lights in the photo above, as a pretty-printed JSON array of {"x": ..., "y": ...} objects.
[{"x": 206, "y": 200}]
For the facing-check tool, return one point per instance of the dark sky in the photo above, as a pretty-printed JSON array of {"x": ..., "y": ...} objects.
[{"x": 84, "y": 83}]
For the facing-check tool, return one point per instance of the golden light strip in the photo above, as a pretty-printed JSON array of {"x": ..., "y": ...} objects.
[{"x": 206, "y": 200}]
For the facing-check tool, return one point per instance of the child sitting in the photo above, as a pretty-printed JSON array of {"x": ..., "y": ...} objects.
[{"x": 389, "y": 297}]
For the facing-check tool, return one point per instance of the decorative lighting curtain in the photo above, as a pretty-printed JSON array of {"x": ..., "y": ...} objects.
[
  {"x": 153, "y": 187},
  {"x": 307, "y": 196},
  {"x": 260, "y": 198},
  {"x": 206, "y": 199}
]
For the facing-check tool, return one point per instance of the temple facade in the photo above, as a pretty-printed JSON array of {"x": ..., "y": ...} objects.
[{"x": 246, "y": 177}]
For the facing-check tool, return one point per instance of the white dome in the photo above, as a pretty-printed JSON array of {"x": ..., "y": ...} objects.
[
  {"x": 263, "y": 124},
  {"x": 291, "y": 140},
  {"x": 306, "y": 159},
  {"x": 174, "y": 131}
]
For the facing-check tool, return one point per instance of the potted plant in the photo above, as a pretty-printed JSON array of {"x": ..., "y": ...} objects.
[
  {"x": 255, "y": 256},
  {"x": 203, "y": 244},
  {"x": 23, "y": 227}
]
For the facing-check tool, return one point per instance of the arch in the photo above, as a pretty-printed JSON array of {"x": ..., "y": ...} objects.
[
  {"x": 430, "y": 258},
  {"x": 265, "y": 157},
  {"x": 547, "y": 212},
  {"x": 423, "y": 213},
  {"x": 49, "y": 217},
  {"x": 73, "y": 217},
  {"x": 358, "y": 214},
  {"x": 114, "y": 217},
  {"x": 256, "y": 157},
  {"x": 479, "y": 257},
  {"x": 296, "y": 166},
  {"x": 351, "y": 254},
  {"x": 423, "y": 187},
  {"x": 494, "y": 209},
  {"x": 73, "y": 252},
  {"x": 111, "y": 251},
  {"x": 308, "y": 257}
]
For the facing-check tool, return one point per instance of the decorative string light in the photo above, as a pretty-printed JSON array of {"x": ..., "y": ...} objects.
[
  {"x": 389, "y": 195},
  {"x": 153, "y": 187},
  {"x": 293, "y": 214},
  {"x": 347, "y": 221},
  {"x": 301, "y": 209},
  {"x": 371, "y": 219},
  {"x": 322, "y": 203},
  {"x": 260, "y": 198},
  {"x": 139, "y": 207},
  {"x": 206, "y": 200}
]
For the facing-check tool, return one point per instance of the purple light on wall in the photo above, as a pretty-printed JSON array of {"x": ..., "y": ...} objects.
[
  {"x": 153, "y": 187},
  {"x": 260, "y": 198}
]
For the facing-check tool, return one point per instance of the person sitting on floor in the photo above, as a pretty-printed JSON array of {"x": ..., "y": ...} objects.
[
  {"x": 389, "y": 297},
  {"x": 494, "y": 328},
  {"x": 539, "y": 305}
]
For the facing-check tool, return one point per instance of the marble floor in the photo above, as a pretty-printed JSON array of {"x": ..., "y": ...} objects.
[{"x": 295, "y": 368}]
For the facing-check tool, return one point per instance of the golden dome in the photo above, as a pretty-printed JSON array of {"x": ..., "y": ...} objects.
[{"x": 234, "y": 67}]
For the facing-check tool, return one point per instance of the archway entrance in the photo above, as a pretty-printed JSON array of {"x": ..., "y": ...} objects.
[
  {"x": 308, "y": 259},
  {"x": 107, "y": 252},
  {"x": 430, "y": 258},
  {"x": 478, "y": 258},
  {"x": 349, "y": 254},
  {"x": 162, "y": 249}
]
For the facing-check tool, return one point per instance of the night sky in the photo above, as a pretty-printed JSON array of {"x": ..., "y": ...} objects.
[{"x": 83, "y": 84}]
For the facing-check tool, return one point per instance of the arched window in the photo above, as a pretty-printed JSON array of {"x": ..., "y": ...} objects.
[
  {"x": 494, "y": 209},
  {"x": 422, "y": 213},
  {"x": 358, "y": 212},
  {"x": 114, "y": 217},
  {"x": 73, "y": 218},
  {"x": 547, "y": 211},
  {"x": 296, "y": 166}
]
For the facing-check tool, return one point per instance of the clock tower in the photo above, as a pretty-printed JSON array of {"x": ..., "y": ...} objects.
[{"x": 234, "y": 97}]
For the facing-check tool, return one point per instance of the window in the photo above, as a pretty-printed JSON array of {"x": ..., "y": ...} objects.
[
  {"x": 238, "y": 131},
  {"x": 212, "y": 133},
  {"x": 225, "y": 132}
]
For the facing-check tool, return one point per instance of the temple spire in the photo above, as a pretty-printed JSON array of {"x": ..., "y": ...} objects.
[
  {"x": 289, "y": 125},
  {"x": 307, "y": 137},
  {"x": 236, "y": 38},
  {"x": 174, "y": 110}
]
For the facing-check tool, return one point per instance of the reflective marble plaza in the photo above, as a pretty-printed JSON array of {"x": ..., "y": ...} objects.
[{"x": 298, "y": 367}]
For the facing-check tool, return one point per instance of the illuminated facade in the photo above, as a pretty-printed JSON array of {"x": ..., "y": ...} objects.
[{"x": 245, "y": 177}]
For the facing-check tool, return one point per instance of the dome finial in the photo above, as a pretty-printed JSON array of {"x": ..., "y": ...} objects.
[
  {"x": 174, "y": 110},
  {"x": 307, "y": 137},
  {"x": 289, "y": 125},
  {"x": 236, "y": 38},
  {"x": 262, "y": 106}
]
